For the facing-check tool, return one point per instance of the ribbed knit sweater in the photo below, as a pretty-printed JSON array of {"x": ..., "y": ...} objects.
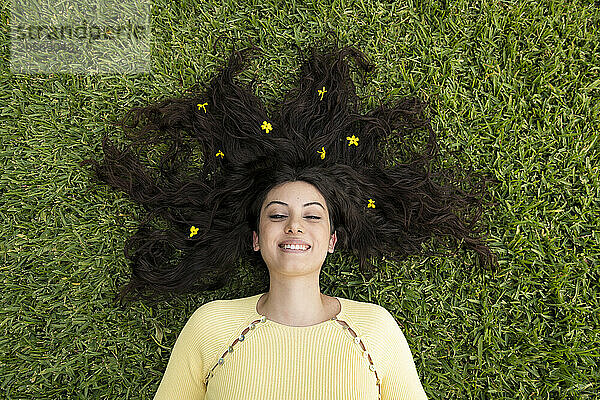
[{"x": 228, "y": 351}]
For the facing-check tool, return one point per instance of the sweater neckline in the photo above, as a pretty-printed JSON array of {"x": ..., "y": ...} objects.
[{"x": 292, "y": 327}]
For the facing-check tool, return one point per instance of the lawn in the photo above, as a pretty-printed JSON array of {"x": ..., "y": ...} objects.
[{"x": 514, "y": 90}]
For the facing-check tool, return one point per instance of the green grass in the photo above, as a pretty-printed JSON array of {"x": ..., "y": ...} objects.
[{"x": 513, "y": 85}]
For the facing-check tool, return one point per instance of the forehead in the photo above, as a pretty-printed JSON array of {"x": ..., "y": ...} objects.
[{"x": 295, "y": 192}]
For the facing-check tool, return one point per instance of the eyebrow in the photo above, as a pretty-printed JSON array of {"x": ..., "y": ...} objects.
[{"x": 305, "y": 205}]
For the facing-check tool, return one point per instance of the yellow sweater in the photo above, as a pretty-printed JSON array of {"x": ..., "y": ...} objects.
[{"x": 228, "y": 351}]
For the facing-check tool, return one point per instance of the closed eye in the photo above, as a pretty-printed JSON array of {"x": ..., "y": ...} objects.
[{"x": 279, "y": 216}]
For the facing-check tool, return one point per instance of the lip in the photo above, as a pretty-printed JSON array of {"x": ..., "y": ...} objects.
[
  {"x": 294, "y": 241},
  {"x": 294, "y": 251}
]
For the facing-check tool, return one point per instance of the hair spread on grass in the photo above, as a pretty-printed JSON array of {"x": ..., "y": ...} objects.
[{"x": 223, "y": 198}]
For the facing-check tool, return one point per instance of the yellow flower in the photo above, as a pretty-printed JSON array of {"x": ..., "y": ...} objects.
[
  {"x": 193, "y": 231},
  {"x": 371, "y": 203},
  {"x": 322, "y": 92},
  {"x": 266, "y": 126},
  {"x": 353, "y": 140},
  {"x": 203, "y": 106},
  {"x": 220, "y": 153},
  {"x": 322, "y": 153}
]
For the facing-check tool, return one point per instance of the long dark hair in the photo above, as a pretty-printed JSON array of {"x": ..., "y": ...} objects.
[{"x": 311, "y": 139}]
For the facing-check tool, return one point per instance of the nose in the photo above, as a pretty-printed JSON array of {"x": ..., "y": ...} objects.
[{"x": 294, "y": 225}]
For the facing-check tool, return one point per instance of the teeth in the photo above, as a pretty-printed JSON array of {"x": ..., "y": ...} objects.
[{"x": 295, "y": 247}]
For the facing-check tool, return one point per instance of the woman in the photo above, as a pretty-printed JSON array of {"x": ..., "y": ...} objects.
[{"x": 280, "y": 191}]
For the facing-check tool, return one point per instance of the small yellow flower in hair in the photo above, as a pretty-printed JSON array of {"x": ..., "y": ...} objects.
[
  {"x": 203, "y": 106},
  {"x": 371, "y": 203},
  {"x": 193, "y": 231},
  {"x": 266, "y": 126},
  {"x": 353, "y": 140},
  {"x": 322, "y": 153},
  {"x": 322, "y": 92},
  {"x": 220, "y": 154}
]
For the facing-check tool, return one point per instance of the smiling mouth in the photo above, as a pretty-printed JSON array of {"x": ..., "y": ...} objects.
[{"x": 294, "y": 248}]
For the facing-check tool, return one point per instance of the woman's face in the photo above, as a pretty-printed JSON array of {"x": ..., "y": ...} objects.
[{"x": 294, "y": 212}]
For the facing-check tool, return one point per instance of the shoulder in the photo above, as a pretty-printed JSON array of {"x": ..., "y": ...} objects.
[
  {"x": 381, "y": 331},
  {"x": 375, "y": 323},
  {"x": 369, "y": 314},
  {"x": 221, "y": 310},
  {"x": 198, "y": 324},
  {"x": 213, "y": 326},
  {"x": 219, "y": 319}
]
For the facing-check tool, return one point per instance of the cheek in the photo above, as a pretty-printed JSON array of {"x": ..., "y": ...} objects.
[
  {"x": 325, "y": 235},
  {"x": 266, "y": 233}
]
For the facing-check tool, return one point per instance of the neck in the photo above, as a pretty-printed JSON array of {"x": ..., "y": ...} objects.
[{"x": 294, "y": 305}]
